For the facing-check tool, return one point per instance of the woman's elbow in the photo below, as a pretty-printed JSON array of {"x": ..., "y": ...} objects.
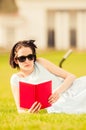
[{"x": 72, "y": 76}]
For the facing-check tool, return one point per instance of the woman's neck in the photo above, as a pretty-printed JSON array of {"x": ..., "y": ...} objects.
[{"x": 26, "y": 73}]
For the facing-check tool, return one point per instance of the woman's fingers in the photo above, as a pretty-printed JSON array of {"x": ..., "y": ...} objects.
[
  {"x": 35, "y": 107},
  {"x": 53, "y": 98}
]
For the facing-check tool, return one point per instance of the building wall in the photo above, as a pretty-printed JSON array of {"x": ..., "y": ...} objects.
[
  {"x": 57, "y": 24},
  {"x": 12, "y": 29},
  {"x": 81, "y": 30}
]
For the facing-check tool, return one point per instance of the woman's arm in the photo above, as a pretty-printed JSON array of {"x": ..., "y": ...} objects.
[
  {"x": 68, "y": 77},
  {"x": 35, "y": 107}
]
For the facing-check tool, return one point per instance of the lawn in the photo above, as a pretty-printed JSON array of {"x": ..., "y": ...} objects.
[{"x": 11, "y": 120}]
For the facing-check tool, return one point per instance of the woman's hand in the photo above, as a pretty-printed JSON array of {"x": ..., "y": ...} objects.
[
  {"x": 35, "y": 108},
  {"x": 54, "y": 97}
]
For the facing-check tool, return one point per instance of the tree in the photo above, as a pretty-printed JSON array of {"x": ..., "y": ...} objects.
[{"x": 8, "y": 6}]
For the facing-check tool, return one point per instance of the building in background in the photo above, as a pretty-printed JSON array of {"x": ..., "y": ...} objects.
[{"x": 59, "y": 24}]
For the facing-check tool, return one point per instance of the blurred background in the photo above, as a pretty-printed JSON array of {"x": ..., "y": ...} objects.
[{"x": 58, "y": 24}]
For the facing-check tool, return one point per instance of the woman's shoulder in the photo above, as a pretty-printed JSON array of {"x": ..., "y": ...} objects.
[
  {"x": 15, "y": 75},
  {"x": 42, "y": 61},
  {"x": 14, "y": 79},
  {"x": 39, "y": 65}
]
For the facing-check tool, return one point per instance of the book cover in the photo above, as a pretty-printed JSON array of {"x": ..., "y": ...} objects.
[{"x": 29, "y": 93}]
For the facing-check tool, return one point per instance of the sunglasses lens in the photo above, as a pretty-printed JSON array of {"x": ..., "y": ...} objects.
[
  {"x": 30, "y": 57},
  {"x": 22, "y": 59}
]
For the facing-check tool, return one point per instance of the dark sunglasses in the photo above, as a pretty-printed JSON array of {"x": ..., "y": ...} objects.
[{"x": 23, "y": 58}]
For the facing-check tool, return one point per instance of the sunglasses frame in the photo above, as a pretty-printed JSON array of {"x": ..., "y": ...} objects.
[{"x": 22, "y": 58}]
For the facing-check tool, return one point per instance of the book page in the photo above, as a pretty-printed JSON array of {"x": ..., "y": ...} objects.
[
  {"x": 42, "y": 93},
  {"x": 27, "y": 95}
]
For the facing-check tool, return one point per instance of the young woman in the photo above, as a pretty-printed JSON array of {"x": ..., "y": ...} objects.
[{"x": 69, "y": 93}]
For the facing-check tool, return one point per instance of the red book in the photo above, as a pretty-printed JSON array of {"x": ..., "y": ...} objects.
[{"x": 29, "y": 93}]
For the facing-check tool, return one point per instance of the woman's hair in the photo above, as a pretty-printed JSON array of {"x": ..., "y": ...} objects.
[{"x": 17, "y": 46}]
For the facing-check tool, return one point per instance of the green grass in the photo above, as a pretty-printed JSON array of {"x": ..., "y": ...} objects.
[{"x": 11, "y": 120}]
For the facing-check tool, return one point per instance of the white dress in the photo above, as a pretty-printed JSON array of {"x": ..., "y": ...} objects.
[{"x": 71, "y": 101}]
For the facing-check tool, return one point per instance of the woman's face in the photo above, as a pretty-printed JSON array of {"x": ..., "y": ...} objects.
[{"x": 28, "y": 64}]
